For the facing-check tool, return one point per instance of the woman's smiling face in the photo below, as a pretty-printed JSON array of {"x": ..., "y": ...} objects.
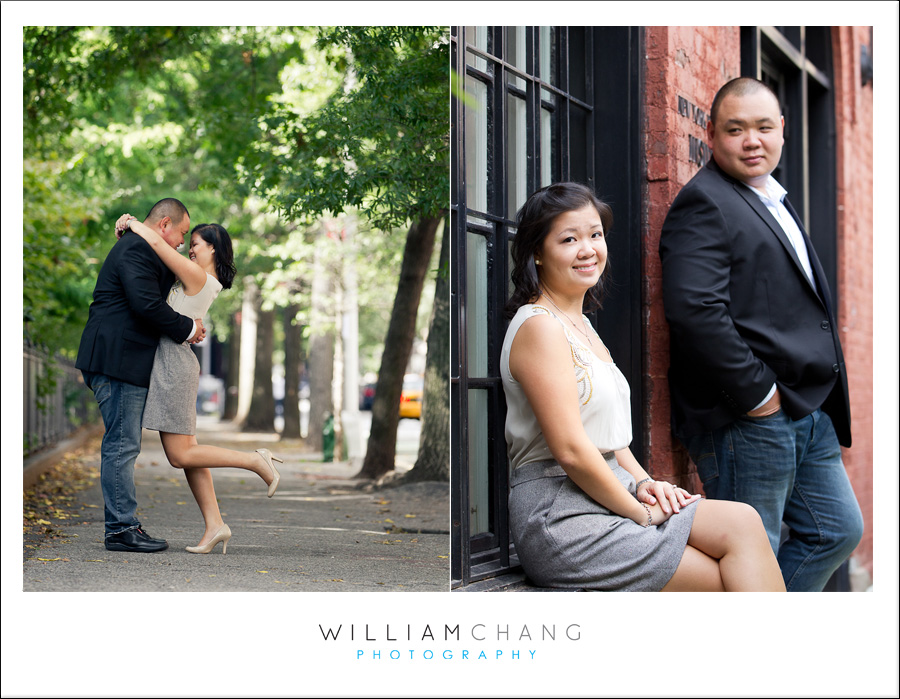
[
  {"x": 201, "y": 252},
  {"x": 573, "y": 254}
]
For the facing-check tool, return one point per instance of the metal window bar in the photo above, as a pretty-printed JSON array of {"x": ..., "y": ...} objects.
[{"x": 481, "y": 555}]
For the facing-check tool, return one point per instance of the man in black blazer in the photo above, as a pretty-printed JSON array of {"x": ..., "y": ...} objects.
[
  {"x": 757, "y": 377},
  {"x": 126, "y": 318}
]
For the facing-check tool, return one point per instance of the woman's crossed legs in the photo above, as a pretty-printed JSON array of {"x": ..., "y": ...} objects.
[{"x": 727, "y": 551}]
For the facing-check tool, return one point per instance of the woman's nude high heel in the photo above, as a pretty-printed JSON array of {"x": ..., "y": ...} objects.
[
  {"x": 223, "y": 535},
  {"x": 276, "y": 477}
]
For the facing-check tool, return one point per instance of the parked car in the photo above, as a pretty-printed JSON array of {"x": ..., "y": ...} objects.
[
  {"x": 411, "y": 396},
  {"x": 210, "y": 395}
]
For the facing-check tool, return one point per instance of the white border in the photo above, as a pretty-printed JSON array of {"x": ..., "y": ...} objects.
[{"x": 632, "y": 645}]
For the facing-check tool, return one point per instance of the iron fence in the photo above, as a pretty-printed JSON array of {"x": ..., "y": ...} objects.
[{"x": 55, "y": 399}]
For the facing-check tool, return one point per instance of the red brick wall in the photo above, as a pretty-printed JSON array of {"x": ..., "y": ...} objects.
[
  {"x": 690, "y": 63},
  {"x": 854, "y": 110}
]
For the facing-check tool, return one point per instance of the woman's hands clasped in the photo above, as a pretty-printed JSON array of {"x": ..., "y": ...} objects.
[
  {"x": 664, "y": 499},
  {"x": 122, "y": 224}
]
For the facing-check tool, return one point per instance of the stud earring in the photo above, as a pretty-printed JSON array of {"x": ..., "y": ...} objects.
[{"x": 538, "y": 262}]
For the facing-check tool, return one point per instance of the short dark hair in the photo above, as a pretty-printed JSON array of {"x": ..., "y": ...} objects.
[
  {"x": 218, "y": 238},
  {"x": 533, "y": 221},
  {"x": 170, "y": 207},
  {"x": 739, "y": 87}
]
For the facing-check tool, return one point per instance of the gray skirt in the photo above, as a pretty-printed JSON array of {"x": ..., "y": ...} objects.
[
  {"x": 172, "y": 398},
  {"x": 564, "y": 538}
]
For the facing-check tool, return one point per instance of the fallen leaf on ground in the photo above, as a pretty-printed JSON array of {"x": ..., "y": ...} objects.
[{"x": 53, "y": 495}]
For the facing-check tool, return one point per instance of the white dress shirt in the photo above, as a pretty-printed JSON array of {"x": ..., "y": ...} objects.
[{"x": 773, "y": 199}]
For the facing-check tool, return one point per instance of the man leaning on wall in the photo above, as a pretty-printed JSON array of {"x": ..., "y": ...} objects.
[{"x": 757, "y": 377}]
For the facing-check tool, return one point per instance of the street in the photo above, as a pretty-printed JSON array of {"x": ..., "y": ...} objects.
[{"x": 321, "y": 531}]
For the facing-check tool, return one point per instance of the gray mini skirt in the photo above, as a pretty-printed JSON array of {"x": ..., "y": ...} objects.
[
  {"x": 172, "y": 398},
  {"x": 564, "y": 538}
]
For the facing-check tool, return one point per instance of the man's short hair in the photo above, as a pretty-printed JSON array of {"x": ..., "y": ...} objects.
[
  {"x": 739, "y": 87},
  {"x": 170, "y": 207}
]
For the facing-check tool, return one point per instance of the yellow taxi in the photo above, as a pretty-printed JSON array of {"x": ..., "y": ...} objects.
[{"x": 411, "y": 396}]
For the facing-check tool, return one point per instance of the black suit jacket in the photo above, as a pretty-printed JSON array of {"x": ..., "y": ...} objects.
[
  {"x": 129, "y": 313},
  {"x": 742, "y": 313}
]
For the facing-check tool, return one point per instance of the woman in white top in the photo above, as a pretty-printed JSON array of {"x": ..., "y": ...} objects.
[
  {"x": 583, "y": 512},
  {"x": 172, "y": 396}
]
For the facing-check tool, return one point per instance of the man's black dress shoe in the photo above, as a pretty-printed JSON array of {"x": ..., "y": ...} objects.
[{"x": 136, "y": 540}]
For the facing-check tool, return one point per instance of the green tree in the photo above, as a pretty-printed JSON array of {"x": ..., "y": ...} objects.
[
  {"x": 116, "y": 118},
  {"x": 433, "y": 462},
  {"x": 259, "y": 128},
  {"x": 380, "y": 145}
]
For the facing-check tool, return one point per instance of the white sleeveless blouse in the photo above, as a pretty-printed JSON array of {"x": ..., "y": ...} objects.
[
  {"x": 603, "y": 392},
  {"x": 197, "y": 305}
]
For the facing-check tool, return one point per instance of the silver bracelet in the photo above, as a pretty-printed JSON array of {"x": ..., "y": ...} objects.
[
  {"x": 642, "y": 483},
  {"x": 649, "y": 516}
]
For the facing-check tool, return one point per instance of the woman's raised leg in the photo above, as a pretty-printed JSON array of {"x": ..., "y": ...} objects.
[
  {"x": 727, "y": 550},
  {"x": 183, "y": 451}
]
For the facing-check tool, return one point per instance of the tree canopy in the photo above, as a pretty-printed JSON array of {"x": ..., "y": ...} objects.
[
  {"x": 266, "y": 130},
  {"x": 378, "y": 144},
  {"x": 259, "y": 128}
]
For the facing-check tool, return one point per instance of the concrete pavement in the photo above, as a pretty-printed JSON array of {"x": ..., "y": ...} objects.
[{"x": 321, "y": 531}]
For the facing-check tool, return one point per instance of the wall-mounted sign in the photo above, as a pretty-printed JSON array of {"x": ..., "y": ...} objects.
[{"x": 699, "y": 152}]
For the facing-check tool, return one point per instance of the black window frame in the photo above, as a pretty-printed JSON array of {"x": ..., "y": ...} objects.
[
  {"x": 610, "y": 65},
  {"x": 797, "y": 63}
]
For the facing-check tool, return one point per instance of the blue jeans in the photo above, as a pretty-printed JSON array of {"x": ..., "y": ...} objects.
[
  {"x": 788, "y": 471},
  {"x": 122, "y": 407}
]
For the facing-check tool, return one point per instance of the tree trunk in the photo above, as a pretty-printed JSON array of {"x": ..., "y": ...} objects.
[
  {"x": 321, "y": 344},
  {"x": 433, "y": 462},
  {"x": 293, "y": 360},
  {"x": 350, "y": 335},
  {"x": 247, "y": 365},
  {"x": 232, "y": 372},
  {"x": 261, "y": 417},
  {"x": 398, "y": 344},
  {"x": 337, "y": 373}
]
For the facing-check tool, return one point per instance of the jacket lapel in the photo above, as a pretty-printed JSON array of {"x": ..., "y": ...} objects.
[
  {"x": 760, "y": 209},
  {"x": 823, "y": 291}
]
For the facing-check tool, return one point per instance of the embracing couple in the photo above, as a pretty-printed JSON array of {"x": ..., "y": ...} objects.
[{"x": 148, "y": 307}]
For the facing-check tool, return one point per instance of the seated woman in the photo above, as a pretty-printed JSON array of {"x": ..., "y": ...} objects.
[{"x": 583, "y": 513}]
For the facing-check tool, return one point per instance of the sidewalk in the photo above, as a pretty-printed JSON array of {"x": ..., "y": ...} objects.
[{"x": 320, "y": 531}]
